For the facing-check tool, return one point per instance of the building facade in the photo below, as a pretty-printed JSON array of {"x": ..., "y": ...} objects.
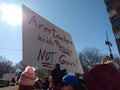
[{"x": 113, "y": 9}]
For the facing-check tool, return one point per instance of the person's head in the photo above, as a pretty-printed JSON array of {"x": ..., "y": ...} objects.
[
  {"x": 57, "y": 67},
  {"x": 71, "y": 82}
]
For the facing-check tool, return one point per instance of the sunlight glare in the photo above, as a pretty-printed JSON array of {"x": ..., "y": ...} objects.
[{"x": 11, "y": 14}]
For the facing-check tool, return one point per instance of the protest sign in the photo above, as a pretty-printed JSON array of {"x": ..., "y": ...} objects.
[{"x": 45, "y": 44}]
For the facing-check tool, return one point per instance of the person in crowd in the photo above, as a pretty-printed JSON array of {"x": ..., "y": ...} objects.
[
  {"x": 13, "y": 82},
  {"x": 18, "y": 76},
  {"x": 38, "y": 84},
  {"x": 57, "y": 76},
  {"x": 27, "y": 79},
  {"x": 45, "y": 83},
  {"x": 103, "y": 77},
  {"x": 50, "y": 83},
  {"x": 72, "y": 82}
]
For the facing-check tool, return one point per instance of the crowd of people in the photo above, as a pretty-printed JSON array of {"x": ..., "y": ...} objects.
[
  {"x": 101, "y": 77},
  {"x": 59, "y": 80}
]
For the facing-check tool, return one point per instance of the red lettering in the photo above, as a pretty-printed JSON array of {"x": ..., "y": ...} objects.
[
  {"x": 33, "y": 20},
  {"x": 47, "y": 30},
  {"x": 62, "y": 61},
  {"x": 41, "y": 54},
  {"x": 40, "y": 26},
  {"x": 67, "y": 62},
  {"x": 45, "y": 55}
]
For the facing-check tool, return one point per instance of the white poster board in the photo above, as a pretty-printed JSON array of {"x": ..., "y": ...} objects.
[{"x": 44, "y": 44}]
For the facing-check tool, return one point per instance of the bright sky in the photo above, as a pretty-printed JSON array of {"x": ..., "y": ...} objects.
[{"x": 85, "y": 20}]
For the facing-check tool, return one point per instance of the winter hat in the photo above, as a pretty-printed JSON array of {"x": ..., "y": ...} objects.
[
  {"x": 28, "y": 76},
  {"x": 29, "y": 69},
  {"x": 71, "y": 79}
]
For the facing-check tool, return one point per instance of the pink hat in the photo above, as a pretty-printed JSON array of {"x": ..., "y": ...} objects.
[{"x": 28, "y": 76}]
